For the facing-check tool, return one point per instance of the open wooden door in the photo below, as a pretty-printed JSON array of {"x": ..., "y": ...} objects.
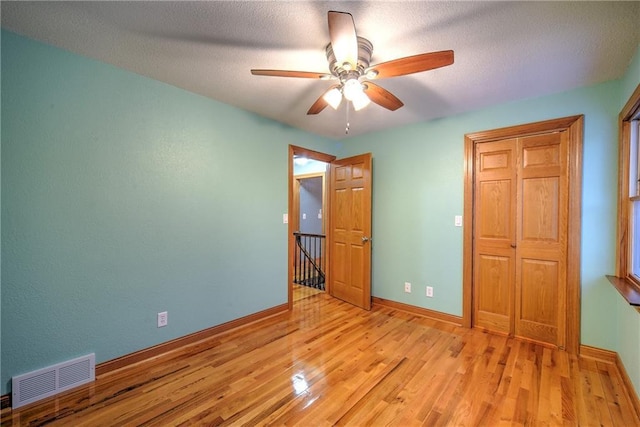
[{"x": 350, "y": 230}]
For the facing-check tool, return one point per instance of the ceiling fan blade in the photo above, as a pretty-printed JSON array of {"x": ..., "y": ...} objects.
[
  {"x": 412, "y": 64},
  {"x": 382, "y": 96},
  {"x": 317, "y": 106},
  {"x": 287, "y": 73},
  {"x": 320, "y": 103},
  {"x": 344, "y": 41}
]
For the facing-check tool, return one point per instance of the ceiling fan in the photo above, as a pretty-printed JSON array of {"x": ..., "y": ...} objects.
[{"x": 349, "y": 56}]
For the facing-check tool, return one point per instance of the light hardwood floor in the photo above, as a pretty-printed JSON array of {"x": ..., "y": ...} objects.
[
  {"x": 330, "y": 363},
  {"x": 301, "y": 292}
]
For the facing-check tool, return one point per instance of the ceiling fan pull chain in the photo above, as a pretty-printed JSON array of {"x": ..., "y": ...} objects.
[{"x": 346, "y": 130}]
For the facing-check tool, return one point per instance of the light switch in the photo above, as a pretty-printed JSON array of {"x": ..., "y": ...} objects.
[
  {"x": 285, "y": 218},
  {"x": 304, "y": 216},
  {"x": 458, "y": 221}
]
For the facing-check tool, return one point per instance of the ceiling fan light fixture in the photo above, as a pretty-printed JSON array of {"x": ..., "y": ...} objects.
[
  {"x": 371, "y": 74},
  {"x": 352, "y": 88},
  {"x": 333, "y": 97},
  {"x": 360, "y": 101}
]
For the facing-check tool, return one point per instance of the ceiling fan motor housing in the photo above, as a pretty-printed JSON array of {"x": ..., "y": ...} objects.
[{"x": 365, "y": 49}]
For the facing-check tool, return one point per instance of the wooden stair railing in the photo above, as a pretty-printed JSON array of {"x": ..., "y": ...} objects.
[{"x": 309, "y": 260}]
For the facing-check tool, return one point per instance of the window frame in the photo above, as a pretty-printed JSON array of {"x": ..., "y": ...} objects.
[{"x": 628, "y": 118}]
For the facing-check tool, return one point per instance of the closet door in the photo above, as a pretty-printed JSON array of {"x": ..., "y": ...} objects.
[
  {"x": 541, "y": 255},
  {"x": 520, "y": 237},
  {"x": 494, "y": 235}
]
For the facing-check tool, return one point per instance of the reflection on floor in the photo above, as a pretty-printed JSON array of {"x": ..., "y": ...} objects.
[
  {"x": 327, "y": 362},
  {"x": 301, "y": 292}
]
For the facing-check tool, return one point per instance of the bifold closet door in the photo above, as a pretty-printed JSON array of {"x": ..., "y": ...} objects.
[
  {"x": 520, "y": 237},
  {"x": 541, "y": 255},
  {"x": 494, "y": 235}
]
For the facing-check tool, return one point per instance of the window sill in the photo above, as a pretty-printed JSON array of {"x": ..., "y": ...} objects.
[{"x": 627, "y": 289}]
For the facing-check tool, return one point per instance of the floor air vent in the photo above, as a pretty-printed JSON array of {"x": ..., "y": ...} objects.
[{"x": 46, "y": 382}]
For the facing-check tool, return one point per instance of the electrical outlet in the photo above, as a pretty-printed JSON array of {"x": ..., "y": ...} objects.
[
  {"x": 430, "y": 291},
  {"x": 163, "y": 319},
  {"x": 407, "y": 287}
]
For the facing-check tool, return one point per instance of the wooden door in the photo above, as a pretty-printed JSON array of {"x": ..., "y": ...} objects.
[
  {"x": 520, "y": 237},
  {"x": 350, "y": 230},
  {"x": 541, "y": 255},
  {"x": 495, "y": 235}
]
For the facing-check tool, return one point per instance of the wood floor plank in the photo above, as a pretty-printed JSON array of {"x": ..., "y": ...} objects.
[
  {"x": 585, "y": 398},
  {"x": 619, "y": 405},
  {"x": 513, "y": 377},
  {"x": 329, "y": 363}
]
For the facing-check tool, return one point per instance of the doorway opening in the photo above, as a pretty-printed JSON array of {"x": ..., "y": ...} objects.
[
  {"x": 309, "y": 263},
  {"x": 347, "y": 222},
  {"x": 308, "y": 207}
]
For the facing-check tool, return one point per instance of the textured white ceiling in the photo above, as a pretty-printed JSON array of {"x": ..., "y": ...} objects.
[{"x": 504, "y": 51}]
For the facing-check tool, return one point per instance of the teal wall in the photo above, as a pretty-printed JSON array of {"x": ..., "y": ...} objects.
[
  {"x": 628, "y": 319},
  {"x": 122, "y": 197},
  {"x": 418, "y": 189}
]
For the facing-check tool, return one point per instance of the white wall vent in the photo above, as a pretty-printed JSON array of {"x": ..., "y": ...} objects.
[{"x": 49, "y": 381}]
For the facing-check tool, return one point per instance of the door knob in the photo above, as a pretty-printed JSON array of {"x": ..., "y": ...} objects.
[
  {"x": 513, "y": 246},
  {"x": 365, "y": 239}
]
